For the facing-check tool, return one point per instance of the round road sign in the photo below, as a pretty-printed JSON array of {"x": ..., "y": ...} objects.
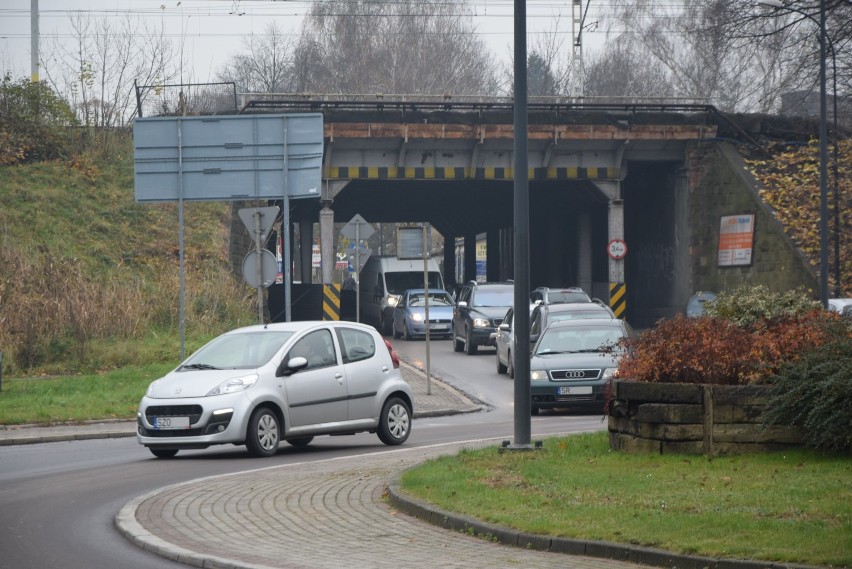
[{"x": 617, "y": 249}]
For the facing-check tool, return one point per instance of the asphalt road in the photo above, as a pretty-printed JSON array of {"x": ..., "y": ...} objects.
[{"x": 58, "y": 500}]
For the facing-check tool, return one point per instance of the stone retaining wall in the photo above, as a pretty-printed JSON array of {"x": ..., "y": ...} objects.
[{"x": 666, "y": 418}]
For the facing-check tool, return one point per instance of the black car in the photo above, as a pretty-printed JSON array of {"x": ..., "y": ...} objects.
[{"x": 479, "y": 310}]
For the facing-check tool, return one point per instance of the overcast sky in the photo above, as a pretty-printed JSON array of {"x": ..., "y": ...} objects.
[{"x": 210, "y": 31}]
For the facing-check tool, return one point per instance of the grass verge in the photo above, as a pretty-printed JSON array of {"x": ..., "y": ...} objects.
[{"x": 787, "y": 507}]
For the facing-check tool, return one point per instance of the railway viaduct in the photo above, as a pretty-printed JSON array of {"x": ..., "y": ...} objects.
[{"x": 658, "y": 177}]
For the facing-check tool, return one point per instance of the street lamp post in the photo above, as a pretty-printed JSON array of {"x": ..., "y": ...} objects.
[{"x": 823, "y": 142}]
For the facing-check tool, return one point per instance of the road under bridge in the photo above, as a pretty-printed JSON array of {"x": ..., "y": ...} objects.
[{"x": 597, "y": 173}]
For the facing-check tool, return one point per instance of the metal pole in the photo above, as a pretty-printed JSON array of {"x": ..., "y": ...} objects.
[
  {"x": 1, "y": 371},
  {"x": 287, "y": 241},
  {"x": 823, "y": 163},
  {"x": 182, "y": 314},
  {"x": 259, "y": 257},
  {"x": 34, "y": 77},
  {"x": 521, "y": 322},
  {"x": 426, "y": 301},
  {"x": 357, "y": 272}
]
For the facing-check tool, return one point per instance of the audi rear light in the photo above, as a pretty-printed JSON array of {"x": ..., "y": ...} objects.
[{"x": 394, "y": 356}]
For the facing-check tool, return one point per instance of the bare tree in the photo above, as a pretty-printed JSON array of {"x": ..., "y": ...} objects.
[
  {"x": 266, "y": 65},
  {"x": 408, "y": 46},
  {"x": 96, "y": 73},
  {"x": 733, "y": 52},
  {"x": 614, "y": 73}
]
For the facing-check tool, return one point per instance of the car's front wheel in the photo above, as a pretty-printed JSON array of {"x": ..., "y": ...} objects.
[
  {"x": 394, "y": 422},
  {"x": 263, "y": 434},
  {"x": 163, "y": 452},
  {"x": 458, "y": 345},
  {"x": 501, "y": 369},
  {"x": 469, "y": 347}
]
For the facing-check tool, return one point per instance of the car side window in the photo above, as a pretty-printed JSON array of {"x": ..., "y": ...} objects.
[
  {"x": 356, "y": 345},
  {"x": 535, "y": 327},
  {"x": 317, "y": 347}
]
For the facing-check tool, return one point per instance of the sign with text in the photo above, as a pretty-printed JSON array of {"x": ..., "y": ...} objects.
[{"x": 736, "y": 240}]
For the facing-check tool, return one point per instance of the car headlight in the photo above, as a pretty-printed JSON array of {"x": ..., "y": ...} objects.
[
  {"x": 610, "y": 372},
  {"x": 481, "y": 323},
  {"x": 417, "y": 317},
  {"x": 233, "y": 385},
  {"x": 150, "y": 392},
  {"x": 538, "y": 375},
  {"x": 393, "y": 300}
]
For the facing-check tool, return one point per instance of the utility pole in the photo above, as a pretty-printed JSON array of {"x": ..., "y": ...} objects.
[{"x": 34, "y": 40}]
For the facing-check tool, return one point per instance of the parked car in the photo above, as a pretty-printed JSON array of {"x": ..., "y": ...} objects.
[
  {"x": 573, "y": 361},
  {"x": 546, "y": 295},
  {"x": 543, "y": 314},
  {"x": 479, "y": 310},
  {"x": 259, "y": 385},
  {"x": 409, "y": 315}
]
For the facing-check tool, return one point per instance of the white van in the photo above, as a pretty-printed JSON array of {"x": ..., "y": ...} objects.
[{"x": 384, "y": 279}]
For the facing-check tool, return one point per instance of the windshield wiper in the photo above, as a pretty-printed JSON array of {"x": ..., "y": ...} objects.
[{"x": 198, "y": 366}]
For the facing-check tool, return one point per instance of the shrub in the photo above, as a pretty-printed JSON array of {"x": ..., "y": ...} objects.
[
  {"x": 720, "y": 351},
  {"x": 748, "y": 305},
  {"x": 35, "y": 123},
  {"x": 815, "y": 392}
]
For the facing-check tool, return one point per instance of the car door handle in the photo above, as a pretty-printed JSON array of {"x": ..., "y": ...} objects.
[
  {"x": 385, "y": 369},
  {"x": 339, "y": 378}
]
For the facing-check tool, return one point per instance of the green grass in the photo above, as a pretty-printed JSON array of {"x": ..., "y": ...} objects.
[
  {"x": 114, "y": 394},
  {"x": 785, "y": 507}
]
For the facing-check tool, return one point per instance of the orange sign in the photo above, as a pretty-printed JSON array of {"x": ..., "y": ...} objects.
[{"x": 736, "y": 240}]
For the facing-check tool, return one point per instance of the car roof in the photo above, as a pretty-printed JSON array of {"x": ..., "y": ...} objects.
[
  {"x": 298, "y": 326},
  {"x": 575, "y": 307},
  {"x": 586, "y": 322},
  {"x": 420, "y": 291}
]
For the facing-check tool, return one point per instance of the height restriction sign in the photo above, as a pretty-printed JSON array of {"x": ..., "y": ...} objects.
[{"x": 617, "y": 249}]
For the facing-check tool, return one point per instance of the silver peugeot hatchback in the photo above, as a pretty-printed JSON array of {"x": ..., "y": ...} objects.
[{"x": 259, "y": 385}]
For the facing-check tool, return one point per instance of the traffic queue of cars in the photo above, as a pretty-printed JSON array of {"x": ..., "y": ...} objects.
[{"x": 260, "y": 385}]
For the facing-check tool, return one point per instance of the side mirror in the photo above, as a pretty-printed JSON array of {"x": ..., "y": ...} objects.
[
  {"x": 533, "y": 338},
  {"x": 291, "y": 366},
  {"x": 462, "y": 304},
  {"x": 505, "y": 327}
]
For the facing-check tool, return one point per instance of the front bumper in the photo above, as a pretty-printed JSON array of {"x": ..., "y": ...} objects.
[
  {"x": 484, "y": 336},
  {"x": 212, "y": 420},
  {"x": 546, "y": 394}
]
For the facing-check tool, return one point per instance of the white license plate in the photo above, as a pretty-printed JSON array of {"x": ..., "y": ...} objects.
[
  {"x": 439, "y": 327},
  {"x": 578, "y": 390},
  {"x": 171, "y": 422}
]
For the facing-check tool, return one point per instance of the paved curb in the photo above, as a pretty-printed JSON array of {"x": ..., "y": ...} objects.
[{"x": 590, "y": 548}]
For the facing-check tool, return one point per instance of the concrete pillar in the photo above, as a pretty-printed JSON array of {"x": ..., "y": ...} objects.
[
  {"x": 616, "y": 231},
  {"x": 326, "y": 220}
]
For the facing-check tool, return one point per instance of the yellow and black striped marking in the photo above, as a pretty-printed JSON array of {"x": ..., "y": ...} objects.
[
  {"x": 331, "y": 302},
  {"x": 463, "y": 173},
  {"x": 618, "y": 298}
]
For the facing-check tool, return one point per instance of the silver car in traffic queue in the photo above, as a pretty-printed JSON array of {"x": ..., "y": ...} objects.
[
  {"x": 572, "y": 362},
  {"x": 259, "y": 385}
]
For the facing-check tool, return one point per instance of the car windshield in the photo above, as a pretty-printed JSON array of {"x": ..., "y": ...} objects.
[
  {"x": 435, "y": 299},
  {"x": 564, "y": 296},
  {"x": 237, "y": 351},
  {"x": 503, "y": 296},
  {"x": 561, "y": 340},
  {"x": 399, "y": 282}
]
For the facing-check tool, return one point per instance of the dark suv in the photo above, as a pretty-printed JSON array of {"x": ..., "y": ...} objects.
[{"x": 479, "y": 310}]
